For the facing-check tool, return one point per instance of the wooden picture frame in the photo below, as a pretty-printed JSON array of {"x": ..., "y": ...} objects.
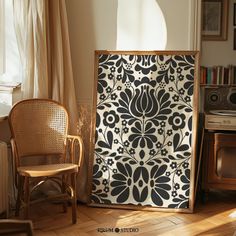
[
  {"x": 234, "y": 19},
  {"x": 215, "y": 20},
  {"x": 133, "y": 88}
]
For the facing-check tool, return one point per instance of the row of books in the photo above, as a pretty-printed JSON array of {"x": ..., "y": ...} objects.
[{"x": 218, "y": 75}]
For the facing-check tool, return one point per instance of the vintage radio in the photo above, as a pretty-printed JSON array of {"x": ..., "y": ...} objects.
[
  {"x": 219, "y": 160},
  {"x": 220, "y": 108}
]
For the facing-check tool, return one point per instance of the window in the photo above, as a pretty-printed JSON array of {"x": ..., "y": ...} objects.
[
  {"x": 2, "y": 46},
  {"x": 10, "y": 66}
]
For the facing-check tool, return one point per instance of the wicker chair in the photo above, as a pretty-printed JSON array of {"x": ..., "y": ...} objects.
[{"x": 39, "y": 128}]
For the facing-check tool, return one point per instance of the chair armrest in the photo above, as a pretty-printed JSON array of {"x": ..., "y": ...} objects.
[
  {"x": 74, "y": 142},
  {"x": 15, "y": 160}
]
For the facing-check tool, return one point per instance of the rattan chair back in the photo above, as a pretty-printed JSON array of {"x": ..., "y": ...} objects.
[{"x": 43, "y": 123}]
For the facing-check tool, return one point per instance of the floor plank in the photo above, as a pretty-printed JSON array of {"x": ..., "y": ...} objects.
[{"x": 216, "y": 217}]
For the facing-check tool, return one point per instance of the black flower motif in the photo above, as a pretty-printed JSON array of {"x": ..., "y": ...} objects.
[
  {"x": 177, "y": 121},
  {"x": 169, "y": 143},
  {"x": 179, "y": 70},
  {"x": 125, "y": 130},
  {"x": 104, "y": 168},
  {"x": 159, "y": 185},
  {"x": 126, "y": 143},
  {"x": 106, "y": 189},
  {"x": 181, "y": 77},
  {"x": 124, "y": 122},
  {"x": 158, "y": 144},
  {"x": 162, "y": 84},
  {"x": 119, "y": 77},
  {"x": 110, "y": 118},
  {"x": 173, "y": 165},
  {"x": 144, "y": 103},
  {"x": 114, "y": 96},
  {"x": 169, "y": 132},
  {"x": 110, "y": 162},
  {"x": 117, "y": 130},
  {"x": 187, "y": 99},
  {"x": 179, "y": 172},
  {"x": 110, "y": 76},
  {"x": 102, "y": 96},
  {"x": 128, "y": 84},
  {"x": 143, "y": 136},
  {"x": 175, "y": 98},
  {"x": 132, "y": 151},
  {"x": 122, "y": 182},
  {"x": 120, "y": 150},
  {"x": 181, "y": 91},
  {"x": 164, "y": 152},
  {"x": 163, "y": 124},
  {"x": 174, "y": 193},
  {"x": 176, "y": 186},
  {"x": 160, "y": 131},
  {"x": 113, "y": 69},
  {"x": 185, "y": 165},
  {"x": 152, "y": 152}
]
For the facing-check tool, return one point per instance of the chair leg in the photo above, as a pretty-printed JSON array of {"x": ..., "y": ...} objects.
[
  {"x": 73, "y": 198},
  {"x": 26, "y": 198},
  {"x": 19, "y": 195},
  {"x": 63, "y": 190}
]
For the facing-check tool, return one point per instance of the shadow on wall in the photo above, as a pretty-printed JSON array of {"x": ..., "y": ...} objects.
[
  {"x": 92, "y": 26},
  {"x": 178, "y": 18},
  {"x": 140, "y": 25}
]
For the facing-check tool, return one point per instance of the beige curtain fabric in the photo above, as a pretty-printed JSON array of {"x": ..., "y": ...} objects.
[{"x": 43, "y": 40}]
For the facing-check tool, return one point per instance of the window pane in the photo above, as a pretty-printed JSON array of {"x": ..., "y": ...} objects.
[
  {"x": 12, "y": 58},
  {"x": 2, "y": 44}
]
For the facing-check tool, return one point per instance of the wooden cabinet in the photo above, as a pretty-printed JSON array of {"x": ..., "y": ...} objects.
[{"x": 219, "y": 160}]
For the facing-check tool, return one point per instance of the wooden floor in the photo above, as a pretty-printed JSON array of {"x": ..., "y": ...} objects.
[{"x": 216, "y": 217}]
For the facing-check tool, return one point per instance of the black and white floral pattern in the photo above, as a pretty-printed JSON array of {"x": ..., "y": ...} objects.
[{"x": 142, "y": 152}]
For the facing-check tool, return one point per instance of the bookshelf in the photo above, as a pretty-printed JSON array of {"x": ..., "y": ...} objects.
[
  {"x": 218, "y": 75},
  {"x": 218, "y": 66}
]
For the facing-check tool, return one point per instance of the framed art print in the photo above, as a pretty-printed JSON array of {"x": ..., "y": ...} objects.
[
  {"x": 144, "y": 130},
  {"x": 215, "y": 19}
]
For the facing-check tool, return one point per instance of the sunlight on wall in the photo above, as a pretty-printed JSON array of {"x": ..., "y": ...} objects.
[{"x": 140, "y": 26}]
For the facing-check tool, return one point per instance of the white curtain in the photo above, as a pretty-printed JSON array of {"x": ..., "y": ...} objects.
[{"x": 43, "y": 40}]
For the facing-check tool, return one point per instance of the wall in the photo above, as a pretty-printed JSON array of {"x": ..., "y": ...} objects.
[
  {"x": 220, "y": 52},
  {"x": 124, "y": 25}
]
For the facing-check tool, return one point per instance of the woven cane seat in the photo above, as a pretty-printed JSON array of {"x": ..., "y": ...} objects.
[{"x": 47, "y": 170}]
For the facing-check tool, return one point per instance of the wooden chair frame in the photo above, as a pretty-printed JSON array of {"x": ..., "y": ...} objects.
[{"x": 70, "y": 156}]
